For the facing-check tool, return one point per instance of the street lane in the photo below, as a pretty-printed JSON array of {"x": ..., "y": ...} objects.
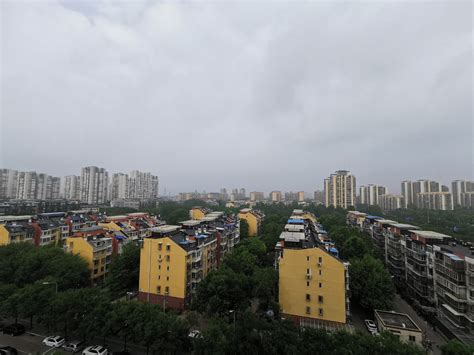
[{"x": 25, "y": 343}]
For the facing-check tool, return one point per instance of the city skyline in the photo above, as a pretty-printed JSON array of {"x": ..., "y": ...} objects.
[{"x": 125, "y": 86}]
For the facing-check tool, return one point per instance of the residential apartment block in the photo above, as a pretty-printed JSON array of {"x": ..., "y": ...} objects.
[
  {"x": 390, "y": 202},
  {"x": 340, "y": 189},
  {"x": 16, "y": 229},
  {"x": 369, "y": 195},
  {"x": 459, "y": 189},
  {"x": 94, "y": 245},
  {"x": 256, "y": 196},
  {"x": 174, "y": 259},
  {"x": 71, "y": 187},
  {"x": 435, "y": 201},
  {"x": 254, "y": 219},
  {"x": 275, "y": 196},
  {"x": 313, "y": 281},
  {"x": 8, "y": 183},
  {"x": 94, "y": 185},
  {"x": 430, "y": 268}
]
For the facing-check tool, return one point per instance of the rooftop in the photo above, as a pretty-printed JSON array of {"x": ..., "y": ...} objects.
[
  {"x": 404, "y": 226},
  {"x": 430, "y": 234},
  {"x": 397, "y": 320},
  {"x": 165, "y": 228}
]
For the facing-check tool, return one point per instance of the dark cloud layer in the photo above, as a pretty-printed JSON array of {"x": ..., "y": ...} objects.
[{"x": 263, "y": 95}]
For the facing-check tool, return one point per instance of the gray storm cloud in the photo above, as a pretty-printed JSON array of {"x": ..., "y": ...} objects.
[{"x": 263, "y": 95}]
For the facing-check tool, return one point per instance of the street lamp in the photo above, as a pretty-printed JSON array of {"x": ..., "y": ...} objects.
[{"x": 51, "y": 283}]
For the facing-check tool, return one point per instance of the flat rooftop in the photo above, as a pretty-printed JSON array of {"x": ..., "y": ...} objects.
[
  {"x": 404, "y": 226},
  {"x": 430, "y": 234},
  {"x": 165, "y": 228},
  {"x": 397, "y": 320},
  {"x": 190, "y": 222}
]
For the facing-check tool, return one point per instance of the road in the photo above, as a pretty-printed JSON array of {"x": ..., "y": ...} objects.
[
  {"x": 25, "y": 343},
  {"x": 400, "y": 305},
  {"x": 31, "y": 343}
]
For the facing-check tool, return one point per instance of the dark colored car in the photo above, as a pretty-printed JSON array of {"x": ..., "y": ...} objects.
[
  {"x": 14, "y": 329},
  {"x": 8, "y": 350}
]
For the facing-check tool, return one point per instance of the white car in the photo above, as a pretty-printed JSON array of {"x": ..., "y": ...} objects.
[
  {"x": 371, "y": 326},
  {"x": 54, "y": 341},
  {"x": 95, "y": 350}
]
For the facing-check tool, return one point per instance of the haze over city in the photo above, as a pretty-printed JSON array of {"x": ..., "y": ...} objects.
[{"x": 210, "y": 95}]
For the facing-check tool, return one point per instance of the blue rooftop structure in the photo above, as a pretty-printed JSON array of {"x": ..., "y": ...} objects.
[
  {"x": 296, "y": 221},
  {"x": 201, "y": 236},
  {"x": 373, "y": 217}
]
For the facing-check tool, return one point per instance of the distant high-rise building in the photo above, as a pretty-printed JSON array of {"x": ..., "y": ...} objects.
[
  {"x": 369, "y": 195},
  {"x": 435, "y": 200},
  {"x": 275, "y": 196},
  {"x": 256, "y": 196},
  {"x": 8, "y": 183},
  {"x": 142, "y": 185},
  {"x": 319, "y": 196},
  {"x": 340, "y": 189},
  {"x": 407, "y": 193},
  {"x": 55, "y": 188},
  {"x": 94, "y": 185},
  {"x": 71, "y": 187},
  {"x": 300, "y": 196},
  {"x": 458, "y": 187},
  {"x": 118, "y": 187},
  {"x": 242, "y": 193},
  {"x": 27, "y": 185},
  {"x": 389, "y": 202}
]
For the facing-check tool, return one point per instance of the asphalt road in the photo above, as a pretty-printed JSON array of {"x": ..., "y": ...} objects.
[{"x": 25, "y": 343}]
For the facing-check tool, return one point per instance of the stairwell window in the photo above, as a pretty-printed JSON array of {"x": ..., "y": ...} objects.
[{"x": 307, "y": 258}]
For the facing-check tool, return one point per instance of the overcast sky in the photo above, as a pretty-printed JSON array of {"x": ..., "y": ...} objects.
[{"x": 265, "y": 96}]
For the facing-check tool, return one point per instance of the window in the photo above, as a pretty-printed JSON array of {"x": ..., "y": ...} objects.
[
  {"x": 307, "y": 258},
  {"x": 158, "y": 289},
  {"x": 167, "y": 290},
  {"x": 159, "y": 267},
  {"x": 307, "y": 283},
  {"x": 308, "y": 310},
  {"x": 308, "y": 297},
  {"x": 167, "y": 258},
  {"x": 102, "y": 268},
  {"x": 160, "y": 246},
  {"x": 411, "y": 338},
  {"x": 320, "y": 312},
  {"x": 320, "y": 259},
  {"x": 96, "y": 271},
  {"x": 168, "y": 247},
  {"x": 320, "y": 285},
  {"x": 320, "y": 272},
  {"x": 167, "y": 278},
  {"x": 308, "y": 271},
  {"x": 168, "y": 268},
  {"x": 320, "y": 299}
]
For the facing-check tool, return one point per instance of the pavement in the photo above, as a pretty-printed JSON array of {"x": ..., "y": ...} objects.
[{"x": 400, "y": 305}]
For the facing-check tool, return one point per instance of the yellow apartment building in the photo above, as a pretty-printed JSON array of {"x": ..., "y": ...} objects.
[
  {"x": 198, "y": 212},
  {"x": 16, "y": 232},
  {"x": 313, "y": 282},
  {"x": 96, "y": 250},
  {"x": 254, "y": 219},
  {"x": 173, "y": 260}
]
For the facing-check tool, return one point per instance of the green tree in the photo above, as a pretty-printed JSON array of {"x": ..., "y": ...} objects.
[
  {"x": 371, "y": 284},
  {"x": 124, "y": 270},
  {"x": 454, "y": 347},
  {"x": 244, "y": 229},
  {"x": 356, "y": 247}
]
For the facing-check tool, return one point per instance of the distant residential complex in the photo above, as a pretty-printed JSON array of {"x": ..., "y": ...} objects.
[
  {"x": 94, "y": 186},
  {"x": 369, "y": 195},
  {"x": 340, "y": 189}
]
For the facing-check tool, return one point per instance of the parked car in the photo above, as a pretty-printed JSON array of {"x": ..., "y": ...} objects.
[
  {"x": 95, "y": 350},
  {"x": 371, "y": 326},
  {"x": 8, "y": 350},
  {"x": 14, "y": 329},
  {"x": 55, "y": 341},
  {"x": 73, "y": 346}
]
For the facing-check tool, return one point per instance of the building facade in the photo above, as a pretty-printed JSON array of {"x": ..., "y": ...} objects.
[
  {"x": 390, "y": 202},
  {"x": 254, "y": 220},
  {"x": 435, "y": 201},
  {"x": 275, "y": 196},
  {"x": 340, "y": 189},
  {"x": 8, "y": 183},
  {"x": 94, "y": 185}
]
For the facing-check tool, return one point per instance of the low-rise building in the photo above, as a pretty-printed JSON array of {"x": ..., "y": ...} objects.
[
  {"x": 16, "y": 230},
  {"x": 254, "y": 220},
  {"x": 356, "y": 219},
  {"x": 313, "y": 282},
  {"x": 94, "y": 246},
  {"x": 400, "y": 325},
  {"x": 174, "y": 259}
]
